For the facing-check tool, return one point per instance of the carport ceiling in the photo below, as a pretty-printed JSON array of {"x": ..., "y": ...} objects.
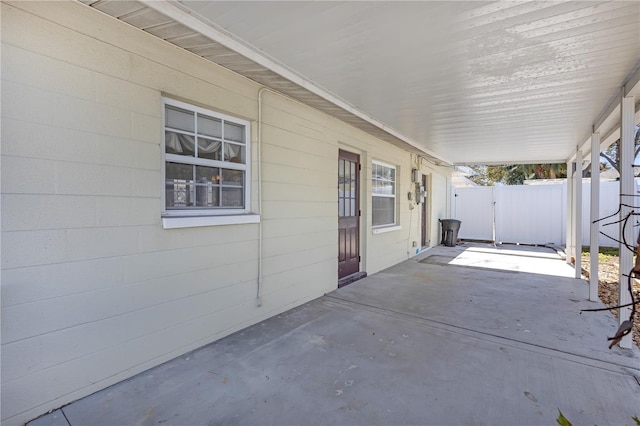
[{"x": 468, "y": 82}]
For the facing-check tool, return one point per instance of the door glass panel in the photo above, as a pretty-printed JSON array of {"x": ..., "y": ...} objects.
[
  {"x": 346, "y": 190},
  {"x": 352, "y": 189},
  {"x": 341, "y": 188},
  {"x": 341, "y": 178},
  {"x": 353, "y": 172},
  {"x": 347, "y": 187}
]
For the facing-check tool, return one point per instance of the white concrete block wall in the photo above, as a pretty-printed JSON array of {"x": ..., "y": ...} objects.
[{"x": 93, "y": 289}]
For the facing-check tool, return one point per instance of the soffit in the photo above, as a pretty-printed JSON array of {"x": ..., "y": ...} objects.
[{"x": 466, "y": 82}]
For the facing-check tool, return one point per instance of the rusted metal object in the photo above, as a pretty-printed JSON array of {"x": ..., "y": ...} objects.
[{"x": 623, "y": 330}]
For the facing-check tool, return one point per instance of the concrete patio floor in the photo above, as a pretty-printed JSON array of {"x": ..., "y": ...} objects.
[{"x": 459, "y": 335}]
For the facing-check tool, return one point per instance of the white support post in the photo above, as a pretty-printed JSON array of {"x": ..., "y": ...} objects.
[
  {"x": 577, "y": 213},
  {"x": 569, "y": 238},
  {"x": 493, "y": 216},
  {"x": 594, "y": 234},
  {"x": 627, "y": 129}
]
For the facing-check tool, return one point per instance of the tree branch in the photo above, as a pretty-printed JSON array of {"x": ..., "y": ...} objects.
[{"x": 613, "y": 163}]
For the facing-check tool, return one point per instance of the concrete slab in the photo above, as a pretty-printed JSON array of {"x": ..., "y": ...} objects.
[
  {"x": 55, "y": 418},
  {"x": 541, "y": 308},
  {"x": 419, "y": 343}
]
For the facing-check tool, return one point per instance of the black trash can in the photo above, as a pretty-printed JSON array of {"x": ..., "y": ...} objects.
[{"x": 450, "y": 228}]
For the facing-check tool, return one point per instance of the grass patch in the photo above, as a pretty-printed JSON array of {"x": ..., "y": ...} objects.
[{"x": 604, "y": 253}]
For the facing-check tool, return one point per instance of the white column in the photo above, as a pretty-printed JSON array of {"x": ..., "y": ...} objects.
[
  {"x": 627, "y": 128},
  {"x": 493, "y": 215},
  {"x": 577, "y": 214},
  {"x": 569, "y": 239},
  {"x": 594, "y": 234}
]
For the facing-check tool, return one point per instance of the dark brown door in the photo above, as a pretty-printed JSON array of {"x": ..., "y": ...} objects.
[
  {"x": 348, "y": 214},
  {"x": 425, "y": 219}
]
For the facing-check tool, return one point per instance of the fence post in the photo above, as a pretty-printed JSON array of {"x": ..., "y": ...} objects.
[{"x": 494, "y": 230}]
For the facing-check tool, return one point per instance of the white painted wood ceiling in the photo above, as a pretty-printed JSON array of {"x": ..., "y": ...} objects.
[{"x": 469, "y": 82}]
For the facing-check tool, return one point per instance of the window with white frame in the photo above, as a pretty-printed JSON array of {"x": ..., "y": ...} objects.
[
  {"x": 206, "y": 161},
  {"x": 383, "y": 191}
]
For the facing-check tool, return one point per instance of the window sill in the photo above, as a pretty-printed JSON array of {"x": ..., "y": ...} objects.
[
  {"x": 382, "y": 230},
  {"x": 169, "y": 222}
]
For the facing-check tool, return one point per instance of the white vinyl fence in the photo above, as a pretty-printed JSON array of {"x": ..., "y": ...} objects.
[{"x": 530, "y": 214}]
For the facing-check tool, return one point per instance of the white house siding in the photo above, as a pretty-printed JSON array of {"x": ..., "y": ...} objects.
[{"x": 94, "y": 290}]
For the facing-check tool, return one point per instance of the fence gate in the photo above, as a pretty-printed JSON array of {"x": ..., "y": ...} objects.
[
  {"x": 531, "y": 214},
  {"x": 475, "y": 208}
]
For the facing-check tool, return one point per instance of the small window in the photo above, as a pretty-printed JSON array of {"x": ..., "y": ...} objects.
[
  {"x": 206, "y": 161},
  {"x": 383, "y": 190}
]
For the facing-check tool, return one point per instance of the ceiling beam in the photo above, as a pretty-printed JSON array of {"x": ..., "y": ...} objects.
[
  {"x": 612, "y": 109},
  {"x": 632, "y": 85}
]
